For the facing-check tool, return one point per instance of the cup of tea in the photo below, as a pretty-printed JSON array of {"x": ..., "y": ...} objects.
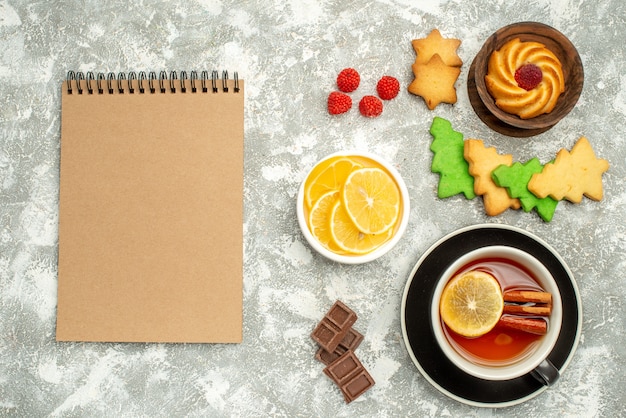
[{"x": 528, "y": 324}]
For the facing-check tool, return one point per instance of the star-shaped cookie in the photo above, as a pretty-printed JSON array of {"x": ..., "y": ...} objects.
[
  {"x": 482, "y": 161},
  {"x": 433, "y": 44},
  {"x": 434, "y": 82},
  {"x": 572, "y": 175},
  {"x": 515, "y": 179}
]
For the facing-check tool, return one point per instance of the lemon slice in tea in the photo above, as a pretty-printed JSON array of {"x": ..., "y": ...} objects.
[{"x": 471, "y": 303}]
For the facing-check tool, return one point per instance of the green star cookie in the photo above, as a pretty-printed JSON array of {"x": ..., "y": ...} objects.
[
  {"x": 515, "y": 179},
  {"x": 448, "y": 161}
]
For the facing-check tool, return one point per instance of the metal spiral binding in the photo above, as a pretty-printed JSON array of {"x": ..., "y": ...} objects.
[{"x": 142, "y": 83}]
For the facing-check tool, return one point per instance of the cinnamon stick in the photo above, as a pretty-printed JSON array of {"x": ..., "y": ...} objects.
[
  {"x": 532, "y": 325},
  {"x": 528, "y": 296},
  {"x": 536, "y": 310}
]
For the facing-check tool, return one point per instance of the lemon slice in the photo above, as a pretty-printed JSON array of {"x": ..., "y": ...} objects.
[
  {"x": 372, "y": 200},
  {"x": 349, "y": 238},
  {"x": 319, "y": 221},
  {"x": 328, "y": 176},
  {"x": 471, "y": 303}
]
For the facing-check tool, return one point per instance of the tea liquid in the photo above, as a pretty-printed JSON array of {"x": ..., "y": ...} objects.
[{"x": 499, "y": 346}]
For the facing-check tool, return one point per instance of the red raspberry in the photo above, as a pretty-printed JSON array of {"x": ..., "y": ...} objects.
[
  {"x": 370, "y": 106},
  {"x": 528, "y": 76},
  {"x": 338, "y": 103},
  {"x": 388, "y": 87},
  {"x": 348, "y": 80}
]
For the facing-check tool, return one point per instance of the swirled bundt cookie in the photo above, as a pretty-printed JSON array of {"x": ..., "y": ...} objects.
[{"x": 525, "y": 78}]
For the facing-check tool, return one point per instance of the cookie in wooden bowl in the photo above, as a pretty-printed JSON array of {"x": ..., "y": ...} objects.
[{"x": 527, "y": 107}]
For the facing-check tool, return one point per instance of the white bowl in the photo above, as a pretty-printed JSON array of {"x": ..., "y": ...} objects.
[{"x": 378, "y": 252}]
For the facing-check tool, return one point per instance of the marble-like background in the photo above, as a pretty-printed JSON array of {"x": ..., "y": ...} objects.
[{"x": 289, "y": 53}]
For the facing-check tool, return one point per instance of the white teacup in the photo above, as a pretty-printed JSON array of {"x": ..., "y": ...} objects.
[{"x": 536, "y": 361}]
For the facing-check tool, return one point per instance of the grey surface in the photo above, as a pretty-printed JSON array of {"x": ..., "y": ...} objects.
[{"x": 289, "y": 53}]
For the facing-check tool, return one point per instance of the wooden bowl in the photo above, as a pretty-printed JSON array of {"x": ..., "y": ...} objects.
[{"x": 507, "y": 123}]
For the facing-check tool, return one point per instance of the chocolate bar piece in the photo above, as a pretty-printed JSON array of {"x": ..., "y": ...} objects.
[
  {"x": 350, "y": 342},
  {"x": 350, "y": 375},
  {"x": 334, "y": 326},
  {"x": 357, "y": 386}
]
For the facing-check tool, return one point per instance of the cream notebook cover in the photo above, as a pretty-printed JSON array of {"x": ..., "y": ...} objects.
[{"x": 151, "y": 208}]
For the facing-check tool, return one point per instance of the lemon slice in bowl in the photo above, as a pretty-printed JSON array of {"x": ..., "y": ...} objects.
[
  {"x": 471, "y": 303},
  {"x": 349, "y": 238},
  {"x": 328, "y": 176},
  {"x": 319, "y": 221},
  {"x": 372, "y": 200}
]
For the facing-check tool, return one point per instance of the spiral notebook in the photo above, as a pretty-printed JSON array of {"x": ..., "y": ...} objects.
[{"x": 151, "y": 208}]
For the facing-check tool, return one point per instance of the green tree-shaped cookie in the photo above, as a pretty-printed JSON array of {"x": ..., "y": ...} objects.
[
  {"x": 515, "y": 179},
  {"x": 448, "y": 161}
]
